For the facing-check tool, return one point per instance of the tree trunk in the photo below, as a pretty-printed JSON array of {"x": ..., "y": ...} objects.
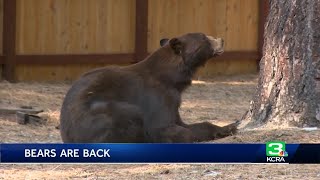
[{"x": 288, "y": 92}]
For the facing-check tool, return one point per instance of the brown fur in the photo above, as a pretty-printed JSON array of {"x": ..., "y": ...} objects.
[{"x": 140, "y": 102}]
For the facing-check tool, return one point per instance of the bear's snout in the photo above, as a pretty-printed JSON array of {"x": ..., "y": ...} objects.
[{"x": 217, "y": 45}]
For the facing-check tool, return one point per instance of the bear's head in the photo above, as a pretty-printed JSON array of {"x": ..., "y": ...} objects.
[
  {"x": 178, "y": 58},
  {"x": 194, "y": 49}
]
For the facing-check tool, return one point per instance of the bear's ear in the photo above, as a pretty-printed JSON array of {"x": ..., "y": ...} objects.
[
  {"x": 163, "y": 41},
  {"x": 176, "y": 45}
]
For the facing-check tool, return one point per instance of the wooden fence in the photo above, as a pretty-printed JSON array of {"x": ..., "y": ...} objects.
[{"x": 59, "y": 39}]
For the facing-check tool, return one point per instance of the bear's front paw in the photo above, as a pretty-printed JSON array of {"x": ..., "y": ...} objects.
[
  {"x": 233, "y": 128},
  {"x": 228, "y": 130}
]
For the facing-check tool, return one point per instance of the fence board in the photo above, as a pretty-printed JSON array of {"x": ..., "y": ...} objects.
[
  {"x": 75, "y": 26},
  {"x": 57, "y": 27},
  {"x": 1, "y": 25},
  {"x": 234, "y": 20},
  {"x": 55, "y": 73}
]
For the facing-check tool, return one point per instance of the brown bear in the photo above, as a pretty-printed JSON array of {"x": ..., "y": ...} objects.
[{"x": 140, "y": 102}]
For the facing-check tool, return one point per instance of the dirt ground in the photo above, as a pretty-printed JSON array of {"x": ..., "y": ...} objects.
[{"x": 220, "y": 100}]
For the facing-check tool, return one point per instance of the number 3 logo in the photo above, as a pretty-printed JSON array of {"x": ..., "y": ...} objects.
[{"x": 274, "y": 149}]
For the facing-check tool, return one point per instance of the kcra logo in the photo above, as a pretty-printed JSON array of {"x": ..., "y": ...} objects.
[{"x": 276, "y": 151}]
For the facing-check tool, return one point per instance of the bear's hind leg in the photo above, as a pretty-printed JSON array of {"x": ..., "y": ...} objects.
[
  {"x": 110, "y": 122},
  {"x": 127, "y": 121}
]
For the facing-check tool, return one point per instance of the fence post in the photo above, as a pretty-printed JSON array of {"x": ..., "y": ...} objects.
[
  {"x": 9, "y": 39},
  {"x": 141, "y": 35}
]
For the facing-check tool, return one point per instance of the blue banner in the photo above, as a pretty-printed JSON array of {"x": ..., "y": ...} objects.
[{"x": 271, "y": 152}]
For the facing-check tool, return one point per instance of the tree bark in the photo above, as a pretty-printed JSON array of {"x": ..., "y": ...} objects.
[{"x": 288, "y": 92}]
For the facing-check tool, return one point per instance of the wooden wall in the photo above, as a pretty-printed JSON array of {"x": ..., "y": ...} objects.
[
  {"x": 72, "y": 27},
  {"x": 75, "y": 26},
  {"x": 234, "y": 20},
  {"x": 1, "y": 35},
  {"x": 1, "y": 24},
  {"x": 108, "y": 26}
]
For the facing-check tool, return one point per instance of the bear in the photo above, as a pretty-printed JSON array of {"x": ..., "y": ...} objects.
[{"x": 139, "y": 103}]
